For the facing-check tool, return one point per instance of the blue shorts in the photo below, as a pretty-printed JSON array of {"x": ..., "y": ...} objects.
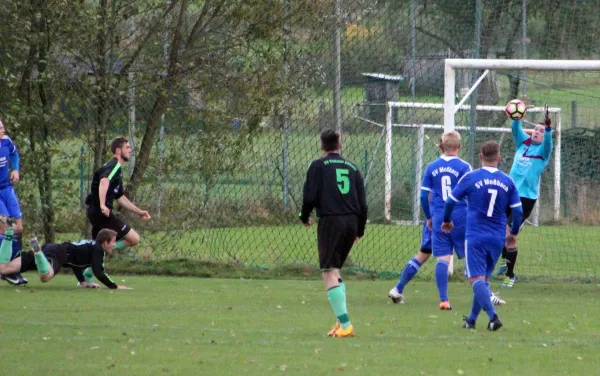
[
  {"x": 9, "y": 203},
  {"x": 482, "y": 254},
  {"x": 443, "y": 243},
  {"x": 425, "y": 239}
]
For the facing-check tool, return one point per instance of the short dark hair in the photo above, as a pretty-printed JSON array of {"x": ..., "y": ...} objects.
[
  {"x": 105, "y": 235},
  {"x": 117, "y": 143},
  {"x": 490, "y": 151},
  {"x": 330, "y": 140}
]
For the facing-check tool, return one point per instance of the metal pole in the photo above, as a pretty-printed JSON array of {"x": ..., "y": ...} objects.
[
  {"x": 286, "y": 110},
  {"x": 449, "y": 90},
  {"x": 524, "y": 41},
  {"x": 416, "y": 133},
  {"x": 388, "y": 163},
  {"x": 82, "y": 177},
  {"x": 131, "y": 95},
  {"x": 131, "y": 100},
  {"x": 337, "y": 55},
  {"x": 413, "y": 55},
  {"x": 418, "y": 173},
  {"x": 161, "y": 154},
  {"x": 474, "y": 73},
  {"x": 557, "y": 166},
  {"x": 161, "y": 144}
]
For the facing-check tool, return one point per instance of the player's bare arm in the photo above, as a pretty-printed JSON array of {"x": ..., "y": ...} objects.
[
  {"x": 127, "y": 204},
  {"x": 102, "y": 190}
]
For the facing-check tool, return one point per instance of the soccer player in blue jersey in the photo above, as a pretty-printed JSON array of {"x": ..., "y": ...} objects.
[
  {"x": 440, "y": 177},
  {"x": 438, "y": 180},
  {"x": 531, "y": 158},
  {"x": 489, "y": 192},
  {"x": 9, "y": 203}
]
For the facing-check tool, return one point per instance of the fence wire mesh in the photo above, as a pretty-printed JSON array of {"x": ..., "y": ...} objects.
[{"x": 223, "y": 102}]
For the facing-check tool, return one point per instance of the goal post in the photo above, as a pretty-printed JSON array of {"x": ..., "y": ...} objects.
[{"x": 420, "y": 153}]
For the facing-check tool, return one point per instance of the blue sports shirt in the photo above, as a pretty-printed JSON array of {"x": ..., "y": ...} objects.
[
  {"x": 8, "y": 153},
  {"x": 440, "y": 177},
  {"x": 489, "y": 192}
]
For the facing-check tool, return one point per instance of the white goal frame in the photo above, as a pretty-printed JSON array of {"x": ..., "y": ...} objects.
[{"x": 420, "y": 152}]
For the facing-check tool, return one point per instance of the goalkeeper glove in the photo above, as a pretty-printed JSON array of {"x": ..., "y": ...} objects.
[{"x": 547, "y": 120}]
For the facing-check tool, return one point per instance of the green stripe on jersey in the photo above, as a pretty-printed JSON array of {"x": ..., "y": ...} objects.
[{"x": 114, "y": 171}]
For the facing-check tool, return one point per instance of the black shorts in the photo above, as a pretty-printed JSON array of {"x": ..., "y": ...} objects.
[
  {"x": 55, "y": 255},
  {"x": 113, "y": 222},
  {"x": 335, "y": 236},
  {"x": 528, "y": 204}
]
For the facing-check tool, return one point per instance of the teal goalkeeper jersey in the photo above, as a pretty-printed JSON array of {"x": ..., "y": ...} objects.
[{"x": 530, "y": 160}]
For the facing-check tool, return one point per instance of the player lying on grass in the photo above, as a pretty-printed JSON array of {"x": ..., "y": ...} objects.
[
  {"x": 440, "y": 177},
  {"x": 531, "y": 158},
  {"x": 52, "y": 257},
  {"x": 489, "y": 192},
  {"x": 335, "y": 188}
]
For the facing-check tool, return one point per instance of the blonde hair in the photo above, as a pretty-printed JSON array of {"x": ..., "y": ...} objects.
[{"x": 450, "y": 141}]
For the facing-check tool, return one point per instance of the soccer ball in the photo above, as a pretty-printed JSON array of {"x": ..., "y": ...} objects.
[{"x": 515, "y": 109}]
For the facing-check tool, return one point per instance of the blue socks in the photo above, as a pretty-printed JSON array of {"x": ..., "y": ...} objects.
[
  {"x": 441, "y": 279},
  {"x": 410, "y": 270},
  {"x": 481, "y": 292},
  {"x": 475, "y": 310}
]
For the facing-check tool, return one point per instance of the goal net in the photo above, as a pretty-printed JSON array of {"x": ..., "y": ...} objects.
[{"x": 560, "y": 239}]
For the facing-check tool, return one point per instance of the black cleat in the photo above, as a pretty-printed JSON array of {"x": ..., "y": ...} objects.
[
  {"x": 22, "y": 280},
  {"x": 495, "y": 324},
  {"x": 15, "y": 279},
  {"x": 468, "y": 324}
]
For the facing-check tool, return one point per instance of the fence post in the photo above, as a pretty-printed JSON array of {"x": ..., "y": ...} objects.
[
  {"x": 337, "y": 67},
  {"x": 82, "y": 178}
]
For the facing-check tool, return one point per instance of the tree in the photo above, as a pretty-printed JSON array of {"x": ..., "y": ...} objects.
[{"x": 232, "y": 51}]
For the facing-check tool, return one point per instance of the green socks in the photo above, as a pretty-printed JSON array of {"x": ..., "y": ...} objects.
[
  {"x": 337, "y": 299},
  {"x": 6, "y": 246},
  {"x": 119, "y": 245},
  {"x": 88, "y": 274},
  {"x": 42, "y": 263}
]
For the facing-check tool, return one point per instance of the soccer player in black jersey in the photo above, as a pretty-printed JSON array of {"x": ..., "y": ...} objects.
[
  {"x": 107, "y": 185},
  {"x": 52, "y": 257},
  {"x": 335, "y": 188}
]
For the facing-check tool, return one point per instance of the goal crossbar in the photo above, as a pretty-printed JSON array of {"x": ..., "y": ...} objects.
[{"x": 501, "y": 64}]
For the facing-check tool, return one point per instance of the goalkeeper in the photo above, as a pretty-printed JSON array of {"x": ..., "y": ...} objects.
[{"x": 531, "y": 158}]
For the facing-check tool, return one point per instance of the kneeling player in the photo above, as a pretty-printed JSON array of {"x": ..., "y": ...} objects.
[{"x": 51, "y": 257}]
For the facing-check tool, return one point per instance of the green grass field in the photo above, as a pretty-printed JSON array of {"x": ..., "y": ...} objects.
[{"x": 189, "y": 326}]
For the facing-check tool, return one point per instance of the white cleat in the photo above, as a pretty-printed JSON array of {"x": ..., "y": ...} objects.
[
  {"x": 496, "y": 300},
  {"x": 397, "y": 298}
]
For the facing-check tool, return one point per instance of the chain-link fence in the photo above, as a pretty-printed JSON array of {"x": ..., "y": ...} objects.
[{"x": 223, "y": 102}]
